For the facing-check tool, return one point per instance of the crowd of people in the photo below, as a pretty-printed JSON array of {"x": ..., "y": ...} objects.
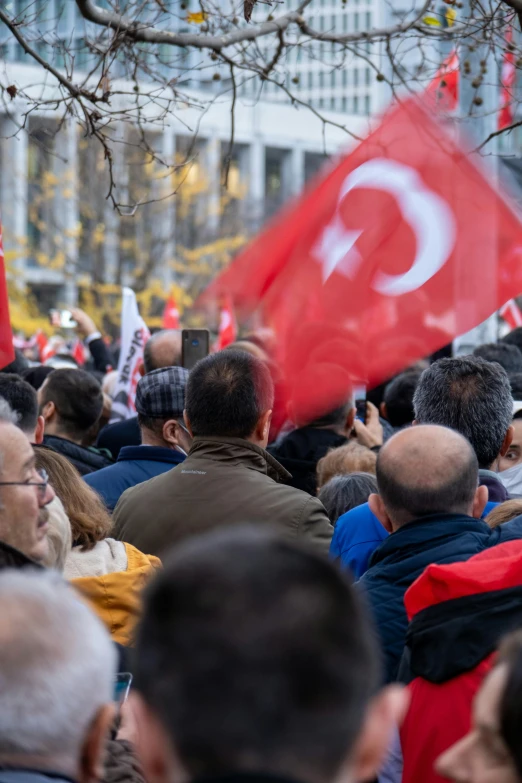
[{"x": 306, "y": 601}]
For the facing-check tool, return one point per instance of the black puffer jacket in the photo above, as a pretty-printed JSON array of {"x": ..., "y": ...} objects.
[{"x": 85, "y": 460}]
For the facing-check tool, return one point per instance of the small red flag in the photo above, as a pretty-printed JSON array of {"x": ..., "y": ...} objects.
[
  {"x": 443, "y": 90},
  {"x": 227, "y": 331},
  {"x": 78, "y": 353},
  {"x": 170, "y": 314},
  {"x": 507, "y": 82},
  {"x": 511, "y": 314},
  {"x": 6, "y": 336},
  {"x": 401, "y": 247}
]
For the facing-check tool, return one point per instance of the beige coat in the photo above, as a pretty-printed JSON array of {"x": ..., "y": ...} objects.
[{"x": 223, "y": 481}]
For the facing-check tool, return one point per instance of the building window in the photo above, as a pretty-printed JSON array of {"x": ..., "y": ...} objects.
[
  {"x": 343, "y": 104},
  {"x": 355, "y": 77},
  {"x": 333, "y": 21},
  {"x": 332, "y": 104},
  {"x": 345, "y": 78},
  {"x": 367, "y": 105},
  {"x": 321, "y": 79},
  {"x": 345, "y": 22},
  {"x": 321, "y": 103},
  {"x": 356, "y": 104},
  {"x": 368, "y": 20},
  {"x": 321, "y": 23},
  {"x": 310, "y": 79},
  {"x": 332, "y": 79},
  {"x": 367, "y": 76},
  {"x": 356, "y": 22}
]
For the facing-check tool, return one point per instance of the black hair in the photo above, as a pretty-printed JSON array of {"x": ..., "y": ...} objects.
[
  {"x": 18, "y": 365},
  {"x": 514, "y": 337},
  {"x": 22, "y": 398},
  {"x": 226, "y": 394},
  {"x": 36, "y": 376},
  {"x": 77, "y": 397},
  {"x": 255, "y": 654},
  {"x": 515, "y": 380},
  {"x": 398, "y": 397},
  {"x": 342, "y": 493},
  {"x": 336, "y": 417},
  {"x": 469, "y": 395},
  {"x": 507, "y": 355}
]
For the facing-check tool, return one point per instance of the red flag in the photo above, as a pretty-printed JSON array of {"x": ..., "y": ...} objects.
[
  {"x": 443, "y": 91},
  {"x": 507, "y": 82},
  {"x": 227, "y": 331},
  {"x": 6, "y": 336},
  {"x": 170, "y": 314},
  {"x": 403, "y": 246},
  {"x": 78, "y": 353},
  {"x": 511, "y": 314}
]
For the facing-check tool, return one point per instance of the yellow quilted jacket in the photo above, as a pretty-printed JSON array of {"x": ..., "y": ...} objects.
[{"x": 116, "y": 597}]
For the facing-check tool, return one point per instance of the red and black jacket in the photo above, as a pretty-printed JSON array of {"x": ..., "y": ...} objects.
[{"x": 458, "y": 613}]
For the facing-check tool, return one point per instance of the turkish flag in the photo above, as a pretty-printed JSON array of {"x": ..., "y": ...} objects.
[
  {"x": 6, "y": 336},
  {"x": 507, "y": 81},
  {"x": 443, "y": 91},
  {"x": 170, "y": 314},
  {"x": 78, "y": 353},
  {"x": 401, "y": 246},
  {"x": 227, "y": 331}
]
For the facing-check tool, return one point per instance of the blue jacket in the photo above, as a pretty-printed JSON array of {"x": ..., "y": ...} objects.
[
  {"x": 357, "y": 535},
  {"x": 403, "y": 556},
  {"x": 135, "y": 464}
]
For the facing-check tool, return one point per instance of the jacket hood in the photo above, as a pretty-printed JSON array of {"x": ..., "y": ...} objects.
[
  {"x": 116, "y": 596},
  {"x": 90, "y": 459},
  {"x": 459, "y": 612},
  {"x": 237, "y": 451}
]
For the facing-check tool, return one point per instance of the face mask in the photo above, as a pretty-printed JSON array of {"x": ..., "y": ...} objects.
[{"x": 512, "y": 479}]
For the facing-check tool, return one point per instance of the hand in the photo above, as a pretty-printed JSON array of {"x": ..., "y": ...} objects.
[
  {"x": 86, "y": 325},
  {"x": 128, "y": 724},
  {"x": 371, "y": 433}
]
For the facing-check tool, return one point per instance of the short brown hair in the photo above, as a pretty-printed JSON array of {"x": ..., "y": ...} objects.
[
  {"x": 504, "y": 512},
  {"x": 90, "y": 521},
  {"x": 352, "y": 458}
]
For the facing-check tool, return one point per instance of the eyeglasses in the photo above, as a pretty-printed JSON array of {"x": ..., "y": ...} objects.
[{"x": 42, "y": 485}]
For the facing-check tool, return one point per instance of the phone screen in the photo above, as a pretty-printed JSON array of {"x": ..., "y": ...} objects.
[
  {"x": 62, "y": 319},
  {"x": 194, "y": 346},
  {"x": 361, "y": 410},
  {"x": 122, "y": 687}
]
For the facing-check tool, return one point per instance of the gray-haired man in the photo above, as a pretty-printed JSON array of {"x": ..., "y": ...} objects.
[
  {"x": 57, "y": 668},
  {"x": 160, "y": 400}
]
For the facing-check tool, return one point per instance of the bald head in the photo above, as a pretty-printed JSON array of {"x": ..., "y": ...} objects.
[
  {"x": 163, "y": 349},
  {"x": 426, "y": 470}
]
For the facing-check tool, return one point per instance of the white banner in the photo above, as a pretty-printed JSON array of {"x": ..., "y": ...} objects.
[{"x": 134, "y": 335}]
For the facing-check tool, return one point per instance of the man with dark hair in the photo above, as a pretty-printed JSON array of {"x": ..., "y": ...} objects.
[
  {"x": 397, "y": 404},
  {"x": 23, "y": 400},
  {"x": 228, "y": 476},
  {"x": 514, "y": 337},
  {"x": 430, "y": 502},
  {"x": 473, "y": 397},
  {"x": 71, "y": 402},
  {"x": 162, "y": 349},
  {"x": 160, "y": 402},
  {"x": 508, "y": 356},
  {"x": 255, "y": 662}
]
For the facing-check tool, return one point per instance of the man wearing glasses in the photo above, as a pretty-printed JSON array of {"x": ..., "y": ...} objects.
[{"x": 24, "y": 492}]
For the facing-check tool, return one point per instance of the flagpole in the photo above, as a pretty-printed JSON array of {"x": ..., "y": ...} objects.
[{"x": 477, "y": 119}]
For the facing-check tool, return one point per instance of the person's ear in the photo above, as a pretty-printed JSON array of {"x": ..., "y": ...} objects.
[
  {"x": 414, "y": 423},
  {"x": 141, "y": 369},
  {"x": 383, "y": 718},
  {"x": 377, "y": 507},
  {"x": 92, "y": 754},
  {"x": 170, "y": 432},
  {"x": 39, "y": 431},
  {"x": 48, "y": 411},
  {"x": 383, "y": 410},
  {"x": 263, "y": 428},
  {"x": 479, "y": 502},
  {"x": 158, "y": 759},
  {"x": 187, "y": 423},
  {"x": 507, "y": 441}
]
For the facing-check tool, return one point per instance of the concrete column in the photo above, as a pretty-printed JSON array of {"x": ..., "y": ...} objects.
[
  {"x": 66, "y": 210},
  {"x": 14, "y": 192},
  {"x": 212, "y": 170},
  {"x": 256, "y": 182},
  {"x": 168, "y": 212}
]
